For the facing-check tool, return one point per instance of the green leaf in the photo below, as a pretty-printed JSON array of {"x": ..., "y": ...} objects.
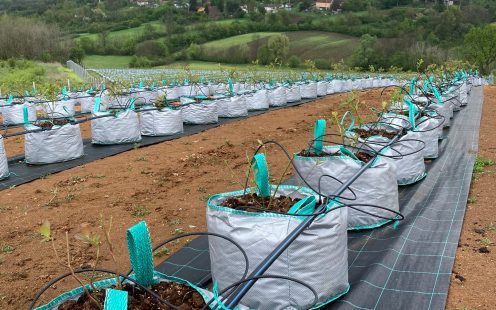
[{"x": 45, "y": 231}]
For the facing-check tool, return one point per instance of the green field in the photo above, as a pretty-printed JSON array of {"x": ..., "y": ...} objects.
[
  {"x": 304, "y": 44},
  {"x": 136, "y": 31},
  {"x": 106, "y": 62},
  {"x": 21, "y": 76}
]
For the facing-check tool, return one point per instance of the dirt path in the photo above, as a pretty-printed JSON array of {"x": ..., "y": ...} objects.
[
  {"x": 474, "y": 275},
  {"x": 165, "y": 184}
]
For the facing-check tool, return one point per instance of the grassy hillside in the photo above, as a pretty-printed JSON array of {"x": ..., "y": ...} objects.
[
  {"x": 19, "y": 75},
  {"x": 314, "y": 45},
  {"x": 126, "y": 33},
  {"x": 106, "y": 62}
]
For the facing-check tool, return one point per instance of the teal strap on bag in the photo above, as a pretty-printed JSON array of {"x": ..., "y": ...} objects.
[
  {"x": 411, "y": 113},
  {"x": 318, "y": 135},
  {"x": 304, "y": 207},
  {"x": 140, "y": 253},
  {"x": 412, "y": 86},
  {"x": 231, "y": 88},
  {"x": 115, "y": 300},
  {"x": 347, "y": 152},
  {"x": 25, "y": 115},
  {"x": 96, "y": 107},
  {"x": 11, "y": 98},
  {"x": 348, "y": 113},
  {"x": 261, "y": 175},
  {"x": 131, "y": 105},
  {"x": 437, "y": 94},
  {"x": 141, "y": 84},
  {"x": 26, "y": 93},
  {"x": 426, "y": 85}
]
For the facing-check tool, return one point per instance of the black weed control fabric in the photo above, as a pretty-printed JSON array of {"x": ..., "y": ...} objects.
[
  {"x": 403, "y": 267},
  {"x": 22, "y": 173}
]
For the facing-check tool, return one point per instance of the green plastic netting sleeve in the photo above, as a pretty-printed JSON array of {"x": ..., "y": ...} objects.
[
  {"x": 115, "y": 300},
  {"x": 261, "y": 175},
  {"x": 318, "y": 135},
  {"x": 140, "y": 253}
]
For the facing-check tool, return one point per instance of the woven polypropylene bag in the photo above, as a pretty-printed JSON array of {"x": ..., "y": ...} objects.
[
  {"x": 277, "y": 96},
  {"x": 308, "y": 90},
  {"x": 123, "y": 127},
  {"x": 258, "y": 100},
  {"x": 205, "y": 112},
  {"x": 4, "y": 166},
  {"x": 293, "y": 93},
  {"x": 162, "y": 122},
  {"x": 232, "y": 107},
  {"x": 375, "y": 186},
  {"x": 13, "y": 114},
  {"x": 324, "y": 243},
  {"x": 50, "y": 146}
]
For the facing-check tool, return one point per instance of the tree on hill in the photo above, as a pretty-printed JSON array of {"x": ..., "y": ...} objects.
[{"x": 480, "y": 46}]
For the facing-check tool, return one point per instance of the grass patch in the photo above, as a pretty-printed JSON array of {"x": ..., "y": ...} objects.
[
  {"x": 481, "y": 163},
  {"x": 106, "y": 62},
  {"x": 7, "y": 249},
  {"x": 140, "y": 211}
]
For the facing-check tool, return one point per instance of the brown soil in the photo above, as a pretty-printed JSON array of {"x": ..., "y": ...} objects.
[
  {"x": 48, "y": 124},
  {"x": 166, "y": 185},
  {"x": 474, "y": 274},
  {"x": 255, "y": 203},
  {"x": 367, "y": 133},
  {"x": 365, "y": 157},
  {"x": 179, "y": 295}
]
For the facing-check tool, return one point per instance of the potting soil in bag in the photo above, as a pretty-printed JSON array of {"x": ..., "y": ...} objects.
[
  {"x": 308, "y": 90},
  {"x": 232, "y": 106},
  {"x": 293, "y": 93},
  {"x": 4, "y": 165},
  {"x": 13, "y": 114},
  {"x": 141, "y": 257},
  {"x": 258, "y": 101},
  {"x": 61, "y": 143},
  {"x": 277, "y": 96},
  {"x": 119, "y": 128},
  {"x": 322, "y": 88},
  {"x": 204, "y": 112},
  {"x": 376, "y": 186},
  {"x": 406, "y": 153},
  {"x": 163, "y": 122},
  {"x": 322, "y": 245}
]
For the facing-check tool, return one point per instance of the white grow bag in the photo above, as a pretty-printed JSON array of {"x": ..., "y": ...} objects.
[
  {"x": 86, "y": 103},
  {"x": 430, "y": 128},
  {"x": 376, "y": 186},
  {"x": 322, "y": 88},
  {"x": 232, "y": 107},
  {"x": 14, "y": 114},
  {"x": 409, "y": 161},
  {"x": 308, "y": 90},
  {"x": 4, "y": 165},
  {"x": 323, "y": 245},
  {"x": 277, "y": 96},
  {"x": 205, "y": 112},
  {"x": 61, "y": 143},
  {"x": 164, "y": 122},
  {"x": 123, "y": 127},
  {"x": 59, "y": 109},
  {"x": 115, "y": 101},
  {"x": 171, "y": 93},
  {"x": 293, "y": 93},
  {"x": 258, "y": 100}
]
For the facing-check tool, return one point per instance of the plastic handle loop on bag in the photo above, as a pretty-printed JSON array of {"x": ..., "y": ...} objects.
[
  {"x": 437, "y": 94},
  {"x": 347, "y": 152},
  {"x": 115, "y": 300},
  {"x": 411, "y": 113},
  {"x": 231, "y": 88},
  {"x": 11, "y": 98},
  {"x": 348, "y": 113},
  {"x": 218, "y": 302},
  {"x": 304, "y": 206},
  {"x": 319, "y": 132},
  {"x": 261, "y": 175},
  {"x": 141, "y": 84},
  {"x": 140, "y": 253},
  {"x": 412, "y": 87},
  {"x": 25, "y": 115},
  {"x": 131, "y": 106},
  {"x": 96, "y": 107}
]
